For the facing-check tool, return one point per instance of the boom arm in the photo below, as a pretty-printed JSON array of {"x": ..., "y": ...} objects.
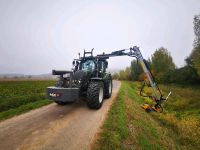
[{"x": 135, "y": 52}]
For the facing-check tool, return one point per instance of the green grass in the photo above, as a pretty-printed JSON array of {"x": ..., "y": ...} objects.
[
  {"x": 178, "y": 127},
  {"x": 182, "y": 115},
  {"x": 115, "y": 129},
  {"x": 23, "y": 108},
  {"x": 184, "y": 100},
  {"x": 17, "y": 97},
  {"x": 130, "y": 127}
]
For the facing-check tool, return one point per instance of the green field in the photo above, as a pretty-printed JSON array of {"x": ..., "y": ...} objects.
[
  {"x": 17, "y": 97},
  {"x": 128, "y": 126}
]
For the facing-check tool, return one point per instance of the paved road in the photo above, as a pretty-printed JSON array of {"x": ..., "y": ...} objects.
[{"x": 55, "y": 127}]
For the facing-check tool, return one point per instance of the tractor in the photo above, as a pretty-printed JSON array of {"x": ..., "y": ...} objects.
[{"x": 89, "y": 80}]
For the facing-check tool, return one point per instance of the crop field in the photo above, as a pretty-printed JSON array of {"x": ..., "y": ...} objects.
[
  {"x": 17, "y": 97},
  {"x": 128, "y": 126}
]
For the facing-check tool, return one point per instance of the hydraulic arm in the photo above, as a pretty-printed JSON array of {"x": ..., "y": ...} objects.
[{"x": 135, "y": 52}]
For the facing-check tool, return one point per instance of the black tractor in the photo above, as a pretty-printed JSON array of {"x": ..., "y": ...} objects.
[{"x": 87, "y": 80}]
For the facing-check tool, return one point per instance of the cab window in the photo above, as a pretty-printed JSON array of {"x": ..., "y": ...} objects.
[{"x": 88, "y": 65}]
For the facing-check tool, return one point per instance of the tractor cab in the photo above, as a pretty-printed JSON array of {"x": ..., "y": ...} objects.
[{"x": 87, "y": 65}]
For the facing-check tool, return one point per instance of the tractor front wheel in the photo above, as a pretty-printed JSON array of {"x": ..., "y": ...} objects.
[{"x": 95, "y": 94}]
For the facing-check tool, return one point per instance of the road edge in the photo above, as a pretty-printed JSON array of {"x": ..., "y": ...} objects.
[{"x": 98, "y": 133}]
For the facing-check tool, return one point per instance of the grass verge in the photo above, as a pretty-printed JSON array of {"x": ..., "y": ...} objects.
[
  {"x": 128, "y": 126},
  {"x": 23, "y": 108},
  {"x": 182, "y": 115},
  {"x": 115, "y": 129}
]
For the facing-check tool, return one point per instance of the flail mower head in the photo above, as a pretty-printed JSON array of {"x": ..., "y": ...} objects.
[{"x": 157, "y": 107}]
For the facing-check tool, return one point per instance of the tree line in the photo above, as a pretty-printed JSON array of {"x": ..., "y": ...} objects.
[{"x": 163, "y": 67}]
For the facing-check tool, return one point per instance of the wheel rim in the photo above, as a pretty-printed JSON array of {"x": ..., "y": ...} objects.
[
  {"x": 110, "y": 87},
  {"x": 100, "y": 94}
]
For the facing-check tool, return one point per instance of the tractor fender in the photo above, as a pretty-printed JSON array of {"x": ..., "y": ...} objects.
[{"x": 107, "y": 76}]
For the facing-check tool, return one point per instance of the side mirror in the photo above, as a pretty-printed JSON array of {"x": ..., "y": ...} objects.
[{"x": 74, "y": 63}]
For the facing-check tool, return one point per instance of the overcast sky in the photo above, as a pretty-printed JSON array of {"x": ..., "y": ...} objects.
[{"x": 37, "y": 36}]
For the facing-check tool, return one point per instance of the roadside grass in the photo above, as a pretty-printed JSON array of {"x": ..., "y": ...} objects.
[
  {"x": 17, "y": 97},
  {"x": 128, "y": 126},
  {"x": 114, "y": 129},
  {"x": 23, "y": 108},
  {"x": 182, "y": 115}
]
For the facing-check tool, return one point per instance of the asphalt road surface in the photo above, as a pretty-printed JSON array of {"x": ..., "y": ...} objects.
[{"x": 54, "y": 127}]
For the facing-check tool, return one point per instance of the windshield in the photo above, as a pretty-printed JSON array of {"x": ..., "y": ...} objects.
[{"x": 88, "y": 65}]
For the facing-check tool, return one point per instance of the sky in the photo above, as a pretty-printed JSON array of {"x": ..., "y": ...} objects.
[{"x": 37, "y": 36}]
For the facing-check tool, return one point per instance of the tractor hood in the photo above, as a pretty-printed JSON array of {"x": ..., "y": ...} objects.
[{"x": 82, "y": 75}]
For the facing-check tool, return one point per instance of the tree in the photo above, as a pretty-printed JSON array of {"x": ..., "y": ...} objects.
[
  {"x": 128, "y": 73},
  {"x": 137, "y": 73},
  {"x": 125, "y": 74},
  {"x": 29, "y": 76},
  {"x": 122, "y": 75},
  {"x": 196, "y": 59},
  {"x": 183, "y": 75},
  {"x": 161, "y": 62},
  {"x": 115, "y": 76},
  {"x": 136, "y": 70},
  {"x": 195, "y": 55},
  {"x": 197, "y": 31},
  {"x": 16, "y": 77}
]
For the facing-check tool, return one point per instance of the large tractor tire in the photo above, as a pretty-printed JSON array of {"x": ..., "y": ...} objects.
[
  {"x": 108, "y": 88},
  {"x": 95, "y": 94}
]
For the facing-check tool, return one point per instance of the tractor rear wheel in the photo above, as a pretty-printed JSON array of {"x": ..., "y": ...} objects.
[
  {"x": 108, "y": 88},
  {"x": 95, "y": 94}
]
